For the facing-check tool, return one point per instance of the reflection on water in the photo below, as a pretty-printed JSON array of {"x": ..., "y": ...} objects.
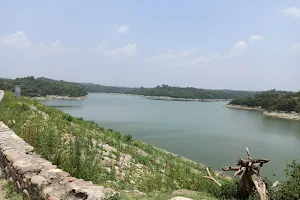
[{"x": 205, "y": 132}]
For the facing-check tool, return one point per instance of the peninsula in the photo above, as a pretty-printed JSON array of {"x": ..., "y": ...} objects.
[{"x": 281, "y": 104}]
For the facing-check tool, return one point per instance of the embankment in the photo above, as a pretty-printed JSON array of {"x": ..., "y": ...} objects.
[
  {"x": 48, "y": 97},
  {"x": 181, "y": 99},
  {"x": 38, "y": 178},
  {"x": 292, "y": 116},
  {"x": 244, "y": 107},
  {"x": 278, "y": 114}
]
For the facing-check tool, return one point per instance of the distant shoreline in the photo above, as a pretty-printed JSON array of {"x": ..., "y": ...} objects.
[
  {"x": 292, "y": 116},
  {"x": 182, "y": 99},
  {"x": 49, "y": 97},
  {"x": 164, "y": 98},
  {"x": 244, "y": 107},
  {"x": 278, "y": 114}
]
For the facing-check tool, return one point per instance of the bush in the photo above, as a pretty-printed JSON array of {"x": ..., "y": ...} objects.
[
  {"x": 128, "y": 138},
  {"x": 228, "y": 190},
  {"x": 80, "y": 118},
  {"x": 67, "y": 117},
  {"x": 290, "y": 189}
]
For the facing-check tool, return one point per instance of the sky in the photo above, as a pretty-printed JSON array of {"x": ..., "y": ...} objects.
[{"x": 242, "y": 45}]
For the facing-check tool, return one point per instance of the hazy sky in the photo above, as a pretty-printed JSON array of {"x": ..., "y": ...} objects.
[{"x": 250, "y": 45}]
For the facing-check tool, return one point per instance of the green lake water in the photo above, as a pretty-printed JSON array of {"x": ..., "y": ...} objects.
[{"x": 205, "y": 132}]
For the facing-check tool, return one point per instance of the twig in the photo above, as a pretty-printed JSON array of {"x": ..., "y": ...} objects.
[
  {"x": 212, "y": 178},
  {"x": 243, "y": 163},
  {"x": 248, "y": 153},
  {"x": 237, "y": 172},
  {"x": 275, "y": 184},
  {"x": 244, "y": 169},
  {"x": 260, "y": 160},
  {"x": 230, "y": 168}
]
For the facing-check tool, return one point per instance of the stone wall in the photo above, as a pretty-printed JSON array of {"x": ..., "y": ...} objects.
[{"x": 36, "y": 177}]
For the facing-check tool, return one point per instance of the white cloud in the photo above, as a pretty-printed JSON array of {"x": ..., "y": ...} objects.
[
  {"x": 169, "y": 55},
  {"x": 293, "y": 11},
  {"x": 254, "y": 38},
  {"x": 237, "y": 49},
  {"x": 183, "y": 57},
  {"x": 192, "y": 57},
  {"x": 21, "y": 40},
  {"x": 201, "y": 59},
  {"x": 121, "y": 28},
  {"x": 53, "y": 45},
  {"x": 15, "y": 40},
  {"x": 128, "y": 50},
  {"x": 296, "y": 47}
]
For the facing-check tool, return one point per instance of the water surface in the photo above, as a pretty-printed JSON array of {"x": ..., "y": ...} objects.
[{"x": 205, "y": 132}]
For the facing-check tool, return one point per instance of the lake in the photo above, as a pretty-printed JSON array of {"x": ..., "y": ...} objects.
[{"x": 205, "y": 132}]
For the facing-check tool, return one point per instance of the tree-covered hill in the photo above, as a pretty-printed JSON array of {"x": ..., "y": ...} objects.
[
  {"x": 169, "y": 91},
  {"x": 96, "y": 88},
  {"x": 40, "y": 87},
  {"x": 190, "y": 92},
  {"x": 272, "y": 100}
]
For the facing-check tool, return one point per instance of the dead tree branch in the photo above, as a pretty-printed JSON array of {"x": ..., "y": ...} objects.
[
  {"x": 230, "y": 168},
  {"x": 250, "y": 179},
  {"x": 211, "y": 178}
]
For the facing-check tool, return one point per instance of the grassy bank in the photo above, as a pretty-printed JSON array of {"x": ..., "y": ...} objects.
[{"x": 104, "y": 156}]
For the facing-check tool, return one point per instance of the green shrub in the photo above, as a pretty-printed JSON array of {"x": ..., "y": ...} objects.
[
  {"x": 289, "y": 189},
  {"x": 128, "y": 138},
  {"x": 67, "y": 117},
  {"x": 80, "y": 118}
]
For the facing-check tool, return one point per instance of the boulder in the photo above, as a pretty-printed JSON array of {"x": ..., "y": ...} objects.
[
  {"x": 184, "y": 192},
  {"x": 180, "y": 198}
]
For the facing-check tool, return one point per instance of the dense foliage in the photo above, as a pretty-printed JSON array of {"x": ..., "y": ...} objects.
[
  {"x": 36, "y": 87},
  {"x": 289, "y": 189},
  {"x": 40, "y": 87},
  {"x": 96, "y": 88},
  {"x": 169, "y": 91},
  {"x": 190, "y": 92},
  {"x": 272, "y": 100}
]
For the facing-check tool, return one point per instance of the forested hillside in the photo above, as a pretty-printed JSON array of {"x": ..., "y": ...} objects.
[
  {"x": 190, "y": 92},
  {"x": 96, "y": 88},
  {"x": 169, "y": 91},
  {"x": 272, "y": 100},
  {"x": 40, "y": 87},
  {"x": 35, "y": 87}
]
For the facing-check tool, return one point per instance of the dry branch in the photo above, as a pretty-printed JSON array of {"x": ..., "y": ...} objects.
[
  {"x": 230, "y": 168},
  {"x": 238, "y": 172},
  {"x": 259, "y": 160},
  {"x": 248, "y": 153},
  {"x": 244, "y": 169},
  {"x": 275, "y": 184},
  {"x": 211, "y": 178}
]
